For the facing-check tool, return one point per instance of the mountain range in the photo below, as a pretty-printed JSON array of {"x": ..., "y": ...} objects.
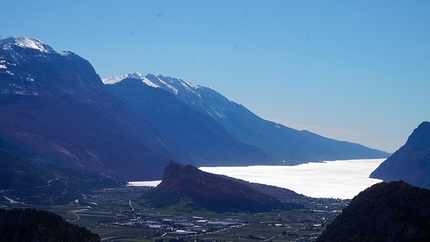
[
  {"x": 410, "y": 163},
  {"x": 59, "y": 119}
]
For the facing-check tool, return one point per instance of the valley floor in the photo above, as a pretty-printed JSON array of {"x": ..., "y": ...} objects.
[{"x": 115, "y": 215}]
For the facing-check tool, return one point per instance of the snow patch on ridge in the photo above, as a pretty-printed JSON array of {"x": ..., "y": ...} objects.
[
  {"x": 149, "y": 82},
  {"x": 23, "y": 42},
  {"x": 135, "y": 75},
  {"x": 168, "y": 86},
  {"x": 178, "y": 85},
  {"x": 3, "y": 64},
  {"x": 113, "y": 79}
]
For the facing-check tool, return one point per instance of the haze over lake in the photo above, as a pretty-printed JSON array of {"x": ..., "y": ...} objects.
[{"x": 334, "y": 179}]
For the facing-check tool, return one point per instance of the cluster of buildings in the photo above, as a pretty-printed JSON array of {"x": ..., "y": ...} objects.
[{"x": 179, "y": 225}]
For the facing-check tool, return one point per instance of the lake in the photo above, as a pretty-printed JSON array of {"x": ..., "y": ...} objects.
[{"x": 332, "y": 179}]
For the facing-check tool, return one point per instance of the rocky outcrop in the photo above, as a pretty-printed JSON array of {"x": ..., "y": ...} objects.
[{"x": 209, "y": 191}]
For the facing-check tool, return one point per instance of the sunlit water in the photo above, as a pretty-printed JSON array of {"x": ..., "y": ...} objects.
[{"x": 334, "y": 179}]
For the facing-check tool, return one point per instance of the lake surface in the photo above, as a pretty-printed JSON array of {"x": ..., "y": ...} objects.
[{"x": 333, "y": 179}]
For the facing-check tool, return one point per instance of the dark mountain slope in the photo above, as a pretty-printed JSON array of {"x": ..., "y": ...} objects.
[
  {"x": 213, "y": 192},
  {"x": 282, "y": 143},
  {"x": 28, "y": 179},
  {"x": 38, "y": 225},
  {"x": 61, "y": 135},
  {"x": 394, "y": 211},
  {"x": 411, "y": 163},
  {"x": 207, "y": 141},
  {"x": 56, "y": 105}
]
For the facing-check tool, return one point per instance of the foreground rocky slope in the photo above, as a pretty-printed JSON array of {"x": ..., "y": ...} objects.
[
  {"x": 411, "y": 163},
  {"x": 394, "y": 211},
  {"x": 216, "y": 193},
  {"x": 38, "y": 225}
]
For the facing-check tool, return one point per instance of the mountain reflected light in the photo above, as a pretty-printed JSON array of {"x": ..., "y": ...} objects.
[{"x": 335, "y": 179}]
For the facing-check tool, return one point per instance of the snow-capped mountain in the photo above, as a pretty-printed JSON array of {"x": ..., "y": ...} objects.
[
  {"x": 284, "y": 145},
  {"x": 55, "y": 106},
  {"x": 25, "y": 43}
]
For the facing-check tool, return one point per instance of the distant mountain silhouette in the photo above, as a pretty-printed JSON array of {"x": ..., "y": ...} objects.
[
  {"x": 213, "y": 192},
  {"x": 283, "y": 145},
  {"x": 39, "y": 225},
  {"x": 411, "y": 163},
  {"x": 394, "y": 211}
]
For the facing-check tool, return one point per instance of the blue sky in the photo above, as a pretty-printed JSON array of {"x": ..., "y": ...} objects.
[{"x": 351, "y": 70}]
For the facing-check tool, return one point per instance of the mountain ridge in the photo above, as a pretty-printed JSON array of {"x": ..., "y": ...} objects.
[
  {"x": 411, "y": 162},
  {"x": 283, "y": 144},
  {"x": 205, "y": 139}
]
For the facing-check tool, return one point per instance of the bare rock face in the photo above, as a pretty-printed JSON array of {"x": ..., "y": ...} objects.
[
  {"x": 394, "y": 211},
  {"x": 411, "y": 163}
]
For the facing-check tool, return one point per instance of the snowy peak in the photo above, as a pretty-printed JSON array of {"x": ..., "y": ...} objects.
[
  {"x": 203, "y": 98},
  {"x": 25, "y": 43},
  {"x": 135, "y": 75}
]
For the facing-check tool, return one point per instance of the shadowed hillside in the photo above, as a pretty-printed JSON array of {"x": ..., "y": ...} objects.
[
  {"x": 394, "y": 211},
  {"x": 38, "y": 225},
  {"x": 43, "y": 183},
  {"x": 411, "y": 163}
]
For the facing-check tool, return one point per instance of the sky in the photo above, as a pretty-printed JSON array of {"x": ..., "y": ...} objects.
[{"x": 356, "y": 71}]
